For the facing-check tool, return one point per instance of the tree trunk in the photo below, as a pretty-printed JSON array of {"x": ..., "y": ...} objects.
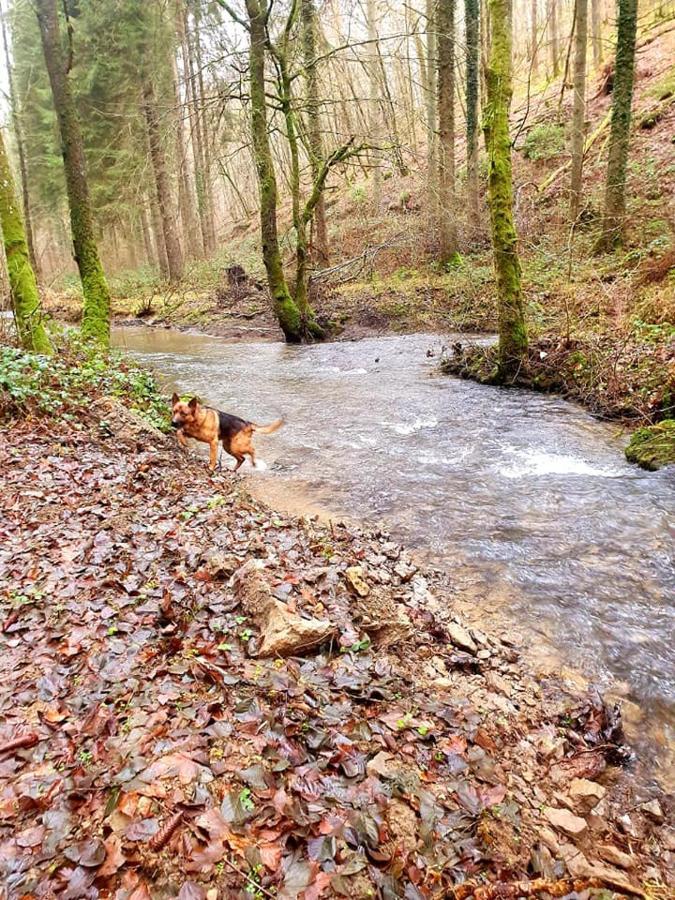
[
  {"x": 596, "y": 28},
  {"x": 207, "y": 183},
  {"x": 554, "y": 39},
  {"x": 287, "y": 313},
  {"x": 96, "y": 312},
  {"x": 186, "y": 197},
  {"x": 22, "y": 282},
  {"x": 23, "y": 168},
  {"x": 472, "y": 20},
  {"x": 150, "y": 255},
  {"x": 160, "y": 243},
  {"x": 196, "y": 127},
  {"x": 512, "y": 328},
  {"x": 534, "y": 26},
  {"x": 579, "y": 109},
  {"x": 622, "y": 100},
  {"x": 445, "y": 25},
  {"x": 320, "y": 237},
  {"x": 430, "y": 97},
  {"x": 375, "y": 109},
  {"x": 173, "y": 249}
]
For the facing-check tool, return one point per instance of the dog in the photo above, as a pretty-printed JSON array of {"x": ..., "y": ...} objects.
[{"x": 212, "y": 427}]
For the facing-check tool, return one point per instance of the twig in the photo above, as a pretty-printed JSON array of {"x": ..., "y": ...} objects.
[{"x": 248, "y": 879}]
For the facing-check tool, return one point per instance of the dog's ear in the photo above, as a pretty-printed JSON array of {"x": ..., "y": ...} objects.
[
  {"x": 193, "y": 404},
  {"x": 174, "y": 399}
]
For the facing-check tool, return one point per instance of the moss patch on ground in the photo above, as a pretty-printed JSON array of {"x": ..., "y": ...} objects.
[{"x": 654, "y": 446}]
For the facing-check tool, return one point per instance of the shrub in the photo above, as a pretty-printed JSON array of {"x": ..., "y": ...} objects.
[
  {"x": 544, "y": 142},
  {"x": 66, "y": 384}
]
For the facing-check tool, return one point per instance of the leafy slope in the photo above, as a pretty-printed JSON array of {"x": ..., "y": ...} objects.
[{"x": 146, "y": 751}]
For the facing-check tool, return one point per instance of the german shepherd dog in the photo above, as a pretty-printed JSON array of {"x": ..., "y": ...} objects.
[{"x": 211, "y": 426}]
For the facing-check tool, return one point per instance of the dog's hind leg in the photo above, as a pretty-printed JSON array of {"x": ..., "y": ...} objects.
[{"x": 240, "y": 462}]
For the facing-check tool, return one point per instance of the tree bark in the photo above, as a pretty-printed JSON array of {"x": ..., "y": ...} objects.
[
  {"x": 445, "y": 24},
  {"x": 375, "y": 109},
  {"x": 147, "y": 239},
  {"x": 472, "y": 22},
  {"x": 554, "y": 36},
  {"x": 158, "y": 234},
  {"x": 26, "y": 305},
  {"x": 315, "y": 141},
  {"x": 196, "y": 130},
  {"x": 21, "y": 151},
  {"x": 207, "y": 170},
  {"x": 622, "y": 101},
  {"x": 174, "y": 252},
  {"x": 579, "y": 108},
  {"x": 186, "y": 197},
  {"x": 512, "y": 327},
  {"x": 596, "y": 29},
  {"x": 96, "y": 312},
  {"x": 430, "y": 106},
  {"x": 286, "y": 311},
  {"x": 534, "y": 26}
]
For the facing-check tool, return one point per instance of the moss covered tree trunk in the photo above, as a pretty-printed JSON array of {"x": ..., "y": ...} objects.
[
  {"x": 22, "y": 282},
  {"x": 579, "y": 108},
  {"x": 512, "y": 329},
  {"x": 96, "y": 313},
  {"x": 445, "y": 26},
  {"x": 471, "y": 15},
  {"x": 285, "y": 308},
  {"x": 315, "y": 142},
  {"x": 21, "y": 152},
  {"x": 174, "y": 252},
  {"x": 186, "y": 196},
  {"x": 622, "y": 100}
]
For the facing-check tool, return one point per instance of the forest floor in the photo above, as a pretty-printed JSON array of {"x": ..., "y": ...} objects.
[{"x": 206, "y": 698}]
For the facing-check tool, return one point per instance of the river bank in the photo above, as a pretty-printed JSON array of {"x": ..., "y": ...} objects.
[{"x": 152, "y": 745}]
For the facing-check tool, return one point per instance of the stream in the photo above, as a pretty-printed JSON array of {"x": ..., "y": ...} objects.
[{"x": 523, "y": 497}]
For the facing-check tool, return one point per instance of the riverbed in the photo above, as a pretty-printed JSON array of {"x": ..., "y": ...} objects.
[{"x": 525, "y": 498}]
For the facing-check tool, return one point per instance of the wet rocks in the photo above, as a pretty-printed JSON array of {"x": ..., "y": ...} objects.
[
  {"x": 461, "y": 638},
  {"x": 586, "y": 794},
  {"x": 565, "y": 821}
]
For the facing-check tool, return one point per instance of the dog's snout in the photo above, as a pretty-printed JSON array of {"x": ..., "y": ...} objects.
[{"x": 175, "y": 423}]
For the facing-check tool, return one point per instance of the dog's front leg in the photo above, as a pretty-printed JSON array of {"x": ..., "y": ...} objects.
[
  {"x": 213, "y": 455},
  {"x": 182, "y": 440}
]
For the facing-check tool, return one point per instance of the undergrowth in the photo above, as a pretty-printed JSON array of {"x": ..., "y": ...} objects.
[{"x": 65, "y": 385}]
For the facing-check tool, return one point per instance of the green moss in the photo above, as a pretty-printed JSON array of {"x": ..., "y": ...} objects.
[
  {"x": 23, "y": 285},
  {"x": 654, "y": 446}
]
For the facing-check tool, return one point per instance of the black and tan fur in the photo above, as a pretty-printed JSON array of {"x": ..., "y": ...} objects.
[{"x": 212, "y": 427}]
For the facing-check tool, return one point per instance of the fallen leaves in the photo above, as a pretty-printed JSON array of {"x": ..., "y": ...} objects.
[{"x": 146, "y": 740}]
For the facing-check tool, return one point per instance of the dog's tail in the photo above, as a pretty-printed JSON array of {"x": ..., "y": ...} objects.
[{"x": 268, "y": 429}]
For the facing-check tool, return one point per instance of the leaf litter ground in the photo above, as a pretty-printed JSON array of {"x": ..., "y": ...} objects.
[{"x": 148, "y": 750}]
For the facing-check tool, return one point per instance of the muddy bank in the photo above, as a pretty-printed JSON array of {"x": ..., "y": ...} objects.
[{"x": 157, "y": 740}]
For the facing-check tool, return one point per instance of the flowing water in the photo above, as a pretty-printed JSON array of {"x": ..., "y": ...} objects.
[{"x": 527, "y": 491}]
